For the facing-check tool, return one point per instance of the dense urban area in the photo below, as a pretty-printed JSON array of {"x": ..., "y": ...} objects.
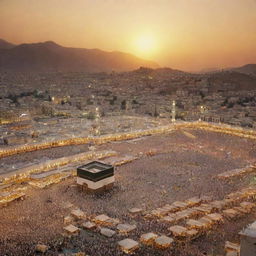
[{"x": 226, "y": 96}]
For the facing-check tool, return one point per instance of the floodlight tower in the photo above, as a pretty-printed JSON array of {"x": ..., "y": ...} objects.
[{"x": 173, "y": 111}]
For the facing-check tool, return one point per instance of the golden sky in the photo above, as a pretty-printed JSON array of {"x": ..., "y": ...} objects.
[{"x": 185, "y": 34}]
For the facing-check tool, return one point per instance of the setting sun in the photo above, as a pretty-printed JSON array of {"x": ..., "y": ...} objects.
[{"x": 145, "y": 45}]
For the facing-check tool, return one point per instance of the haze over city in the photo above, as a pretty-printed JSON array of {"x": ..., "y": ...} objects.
[{"x": 189, "y": 35}]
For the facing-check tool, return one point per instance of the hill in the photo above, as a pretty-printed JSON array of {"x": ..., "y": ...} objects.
[
  {"x": 51, "y": 57},
  {"x": 6, "y": 45},
  {"x": 231, "y": 81},
  {"x": 249, "y": 69}
]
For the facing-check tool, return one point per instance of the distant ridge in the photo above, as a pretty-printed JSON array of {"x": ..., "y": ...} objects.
[
  {"x": 6, "y": 45},
  {"x": 249, "y": 69},
  {"x": 51, "y": 57},
  {"x": 233, "y": 80}
]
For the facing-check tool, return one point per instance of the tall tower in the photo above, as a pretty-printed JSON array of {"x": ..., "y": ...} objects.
[
  {"x": 97, "y": 121},
  {"x": 127, "y": 106},
  {"x": 96, "y": 112},
  {"x": 173, "y": 111},
  {"x": 201, "y": 113}
]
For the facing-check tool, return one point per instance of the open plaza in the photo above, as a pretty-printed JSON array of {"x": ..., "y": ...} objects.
[{"x": 179, "y": 189}]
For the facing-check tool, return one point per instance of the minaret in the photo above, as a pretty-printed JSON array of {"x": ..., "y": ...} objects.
[
  {"x": 201, "y": 113},
  {"x": 127, "y": 106},
  {"x": 173, "y": 111},
  {"x": 97, "y": 121},
  {"x": 96, "y": 124}
]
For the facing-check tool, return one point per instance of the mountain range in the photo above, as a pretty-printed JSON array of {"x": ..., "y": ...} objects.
[{"x": 51, "y": 57}]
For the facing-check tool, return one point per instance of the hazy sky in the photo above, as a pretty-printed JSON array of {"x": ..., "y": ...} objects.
[{"x": 184, "y": 34}]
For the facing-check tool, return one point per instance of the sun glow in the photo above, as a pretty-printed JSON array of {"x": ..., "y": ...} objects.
[{"x": 145, "y": 45}]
